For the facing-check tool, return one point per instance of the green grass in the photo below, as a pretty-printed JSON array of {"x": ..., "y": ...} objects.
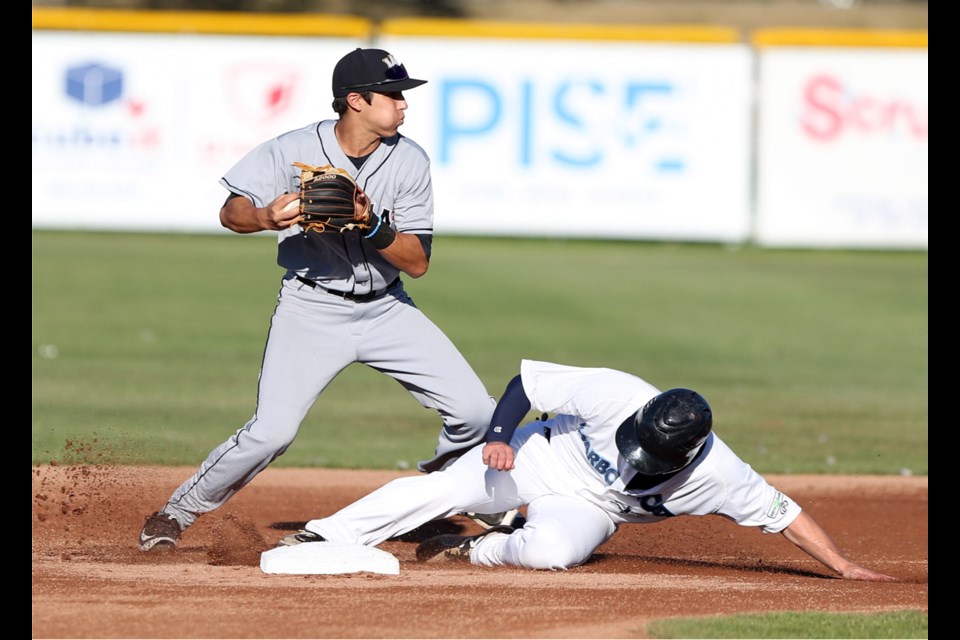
[
  {"x": 898, "y": 624},
  {"x": 814, "y": 361},
  {"x": 146, "y": 350}
]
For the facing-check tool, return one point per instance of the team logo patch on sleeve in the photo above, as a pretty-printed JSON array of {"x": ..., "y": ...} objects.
[{"x": 779, "y": 504}]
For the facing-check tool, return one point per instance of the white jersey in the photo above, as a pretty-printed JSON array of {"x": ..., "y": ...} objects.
[
  {"x": 570, "y": 475},
  {"x": 591, "y": 404}
]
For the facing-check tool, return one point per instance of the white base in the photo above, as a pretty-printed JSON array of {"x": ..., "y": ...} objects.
[{"x": 328, "y": 558}]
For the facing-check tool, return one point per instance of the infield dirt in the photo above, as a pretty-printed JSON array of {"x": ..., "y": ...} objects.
[{"x": 90, "y": 580}]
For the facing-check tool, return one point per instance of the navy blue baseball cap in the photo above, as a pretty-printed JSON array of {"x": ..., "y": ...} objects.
[{"x": 370, "y": 70}]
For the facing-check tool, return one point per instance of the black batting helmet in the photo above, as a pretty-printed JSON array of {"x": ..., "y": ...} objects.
[{"x": 666, "y": 433}]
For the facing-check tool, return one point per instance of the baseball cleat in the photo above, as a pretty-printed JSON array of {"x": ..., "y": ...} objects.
[
  {"x": 512, "y": 518},
  {"x": 299, "y": 538},
  {"x": 160, "y": 532},
  {"x": 449, "y": 547}
]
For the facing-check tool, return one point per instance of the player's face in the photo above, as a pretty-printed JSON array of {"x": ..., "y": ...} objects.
[{"x": 385, "y": 114}]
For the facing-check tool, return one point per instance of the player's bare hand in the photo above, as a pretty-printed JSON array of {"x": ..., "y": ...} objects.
[
  {"x": 361, "y": 204},
  {"x": 498, "y": 456},
  {"x": 283, "y": 212},
  {"x": 856, "y": 572}
]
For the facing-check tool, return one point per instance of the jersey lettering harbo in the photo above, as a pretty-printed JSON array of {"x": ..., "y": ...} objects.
[
  {"x": 652, "y": 503},
  {"x": 598, "y": 462}
]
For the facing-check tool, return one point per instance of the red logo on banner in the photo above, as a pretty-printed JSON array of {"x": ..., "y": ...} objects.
[
  {"x": 832, "y": 108},
  {"x": 261, "y": 91}
]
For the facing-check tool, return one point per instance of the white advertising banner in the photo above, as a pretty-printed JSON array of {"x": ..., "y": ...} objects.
[
  {"x": 134, "y": 131},
  {"x": 842, "y": 148},
  {"x": 542, "y": 138},
  {"x": 602, "y": 139}
]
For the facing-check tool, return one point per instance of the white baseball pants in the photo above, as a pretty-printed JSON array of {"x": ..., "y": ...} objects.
[{"x": 562, "y": 529}]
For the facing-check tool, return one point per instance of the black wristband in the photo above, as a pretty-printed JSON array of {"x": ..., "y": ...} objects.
[{"x": 382, "y": 235}]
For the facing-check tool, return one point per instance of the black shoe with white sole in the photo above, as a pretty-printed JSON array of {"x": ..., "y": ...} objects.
[{"x": 449, "y": 547}]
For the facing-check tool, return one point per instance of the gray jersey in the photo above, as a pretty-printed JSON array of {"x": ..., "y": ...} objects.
[
  {"x": 396, "y": 178},
  {"x": 340, "y": 302},
  {"x": 315, "y": 334}
]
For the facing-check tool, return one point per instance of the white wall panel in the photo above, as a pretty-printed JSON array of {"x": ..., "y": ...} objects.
[{"x": 843, "y": 147}]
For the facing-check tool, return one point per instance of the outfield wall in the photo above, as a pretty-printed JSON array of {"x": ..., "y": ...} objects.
[{"x": 686, "y": 133}]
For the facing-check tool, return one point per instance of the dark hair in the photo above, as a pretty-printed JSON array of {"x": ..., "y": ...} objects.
[{"x": 340, "y": 104}]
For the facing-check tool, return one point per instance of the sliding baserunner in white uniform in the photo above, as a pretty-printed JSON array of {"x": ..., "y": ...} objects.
[{"x": 618, "y": 451}]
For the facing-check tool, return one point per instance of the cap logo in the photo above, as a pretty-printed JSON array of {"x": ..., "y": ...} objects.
[{"x": 390, "y": 61}]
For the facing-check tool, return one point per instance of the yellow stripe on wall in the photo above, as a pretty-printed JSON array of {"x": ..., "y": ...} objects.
[
  {"x": 459, "y": 28},
  {"x": 838, "y": 38},
  {"x": 318, "y": 24},
  {"x": 220, "y": 22}
]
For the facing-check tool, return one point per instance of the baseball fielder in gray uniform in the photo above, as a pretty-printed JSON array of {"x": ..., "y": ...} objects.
[{"x": 341, "y": 299}]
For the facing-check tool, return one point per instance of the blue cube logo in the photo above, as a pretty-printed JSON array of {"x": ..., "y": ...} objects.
[{"x": 94, "y": 84}]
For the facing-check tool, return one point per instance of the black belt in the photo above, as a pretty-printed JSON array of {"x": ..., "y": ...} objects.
[{"x": 347, "y": 295}]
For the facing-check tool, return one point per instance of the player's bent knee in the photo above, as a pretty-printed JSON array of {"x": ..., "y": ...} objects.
[
  {"x": 550, "y": 558},
  {"x": 546, "y": 548}
]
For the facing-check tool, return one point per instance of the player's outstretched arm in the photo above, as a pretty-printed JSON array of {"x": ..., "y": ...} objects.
[{"x": 807, "y": 534}]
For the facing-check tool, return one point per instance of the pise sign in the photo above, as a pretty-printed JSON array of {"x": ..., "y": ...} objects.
[{"x": 577, "y": 123}]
